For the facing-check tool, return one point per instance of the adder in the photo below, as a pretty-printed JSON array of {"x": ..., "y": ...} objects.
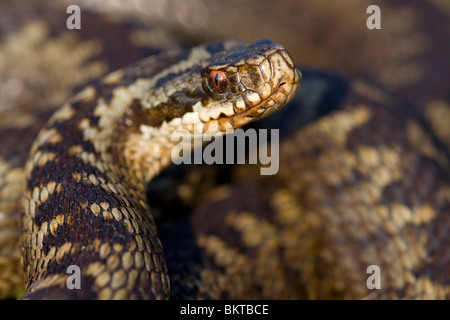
[{"x": 363, "y": 181}]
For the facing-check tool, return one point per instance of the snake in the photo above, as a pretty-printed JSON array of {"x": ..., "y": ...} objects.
[
  {"x": 363, "y": 180},
  {"x": 85, "y": 200}
]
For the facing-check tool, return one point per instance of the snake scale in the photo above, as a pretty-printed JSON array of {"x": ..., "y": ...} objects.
[{"x": 363, "y": 177}]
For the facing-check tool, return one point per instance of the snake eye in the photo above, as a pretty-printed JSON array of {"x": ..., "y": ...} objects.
[{"x": 218, "y": 81}]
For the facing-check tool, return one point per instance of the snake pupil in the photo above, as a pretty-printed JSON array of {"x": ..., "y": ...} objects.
[{"x": 216, "y": 80}]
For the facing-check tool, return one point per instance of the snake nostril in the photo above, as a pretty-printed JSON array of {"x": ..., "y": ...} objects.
[{"x": 281, "y": 85}]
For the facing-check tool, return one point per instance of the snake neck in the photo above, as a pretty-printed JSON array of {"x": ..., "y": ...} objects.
[{"x": 86, "y": 206}]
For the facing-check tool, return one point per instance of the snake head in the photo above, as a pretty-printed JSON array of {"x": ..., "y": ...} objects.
[
  {"x": 246, "y": 84},
  {"x": 208, "y": 90},
  {"x": 214, "y": 88}
]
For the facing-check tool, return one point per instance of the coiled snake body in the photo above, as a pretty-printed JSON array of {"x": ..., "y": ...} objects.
[{"x": 362, "y": 180}]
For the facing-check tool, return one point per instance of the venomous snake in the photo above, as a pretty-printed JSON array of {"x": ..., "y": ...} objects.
[
  {"x": 362, "y": 181},
  {"x": 85, "y": 200}
]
